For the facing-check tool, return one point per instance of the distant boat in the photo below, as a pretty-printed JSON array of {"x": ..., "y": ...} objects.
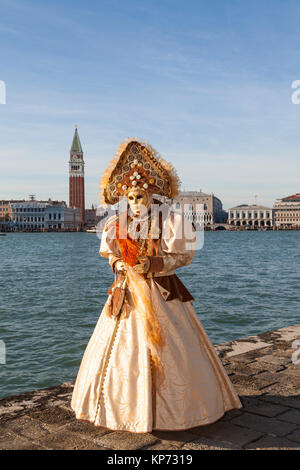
[
  {"x": 2, "y": 234},
  {"x": 91, "y": 230}
]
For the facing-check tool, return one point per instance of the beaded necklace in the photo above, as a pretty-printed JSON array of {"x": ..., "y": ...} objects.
[{"x": 138, "y": 230}]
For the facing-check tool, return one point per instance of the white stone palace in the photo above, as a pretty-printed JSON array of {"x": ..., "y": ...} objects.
[
  {"x": 287, "y": 211},
  {"x": 251, "y": 216},
  {"x": 44, "y": 215},
  {"x": 211, "y": 208}
]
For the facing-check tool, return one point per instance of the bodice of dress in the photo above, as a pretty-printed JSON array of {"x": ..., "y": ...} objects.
[{"x": 171, "y": 249}]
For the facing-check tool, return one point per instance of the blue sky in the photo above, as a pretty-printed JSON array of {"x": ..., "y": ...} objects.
[{"x": 207, "y": 83}]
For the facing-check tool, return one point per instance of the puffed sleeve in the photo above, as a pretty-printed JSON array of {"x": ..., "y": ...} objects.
[
  {"x": 108, "y": 246},
  {"x": 177, "y": 244}
]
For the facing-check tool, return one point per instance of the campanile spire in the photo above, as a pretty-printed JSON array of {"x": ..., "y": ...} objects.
[{"x": 76, "y": 175}]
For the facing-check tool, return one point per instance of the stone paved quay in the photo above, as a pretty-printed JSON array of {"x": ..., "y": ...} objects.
[{"x": 260, "y": 367}]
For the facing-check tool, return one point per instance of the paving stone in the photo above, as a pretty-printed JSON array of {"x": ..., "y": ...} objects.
[
  {"x": 69, "y": 385},
  {"x": 121, "y": 440},
  {"x": 210, "y": 444},
  {"x": 271, "y": 442},
  {"x": 66, "y": 406},
  {"x": 6, "y": 413},
  {"x": 284, "y": 351},
  {"x": 276, "y": 359},
  {"x": 57, "y": 403},
  {"x": 260, "y": 407},
  {"x": 67, "y": 441},
  {"x": 287, "y": 401},
  {"x": 266, "y": 366},
  {"x": 11, "y": 409},
  {"x": 30, "y": 446},
  {"x": 246, "y": 346},
  {"x": 53, "y": 417},
  {"x": 265, "y": 379},
  {"x": 5, "y": 433},
  {"x": 257, "y": 382},
  {"x": 14, "y": 442},
  {"x": 26, "y": 426},
  {"x": 248, "y": 357},
  {"x": 291, "y": 416},
  {"x": 175, "y": 437},
  {"x": 64, "y": 395},
  {"x": 85, "y": 428},
  {"x": 295, "y": 435},
  {"x": 225, "y": 361},
  {"x": 244, "y": 391},
  {"x": 231, "y": 414},
  {"x": 292, "y": 371},
  {"x": 253, "y": 368},
  {"x": 284, "y": 388},
  {"x": 264, "y": 424},
  {"x": 292, "y": 379},
  {"x": 243, "y": 381},
  {"x": 227, "y": 432},
  {"x": 163, "y": 445}
]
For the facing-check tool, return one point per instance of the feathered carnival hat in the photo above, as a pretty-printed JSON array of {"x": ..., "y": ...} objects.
[{"x": 137, "y": 165}]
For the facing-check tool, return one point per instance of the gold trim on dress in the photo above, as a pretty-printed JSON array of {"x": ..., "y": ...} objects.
[
  {"x": 104, "y": 370},
  {"x": 153, "y": 392}
]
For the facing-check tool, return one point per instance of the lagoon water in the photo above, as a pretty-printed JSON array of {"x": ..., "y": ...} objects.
[{"x": 53, "y": 287}]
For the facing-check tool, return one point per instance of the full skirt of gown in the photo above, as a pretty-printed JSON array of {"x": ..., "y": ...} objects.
[{"x": 114, "y": 386}]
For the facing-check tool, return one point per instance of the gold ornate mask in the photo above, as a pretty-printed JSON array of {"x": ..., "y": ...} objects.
[{"x": 139, "y": 201}]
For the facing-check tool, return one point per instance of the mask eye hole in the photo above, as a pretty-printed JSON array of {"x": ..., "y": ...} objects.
[
  {"x": 130, "y": 198},
  {"x": 139, "y": 196}
]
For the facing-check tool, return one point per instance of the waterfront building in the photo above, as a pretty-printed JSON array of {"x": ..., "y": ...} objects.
[
  {"x": 90, "y": 219},
  {"x": 44, "y": 215},
  {"x": 59, "y": 216},
  {"x": 28, "y": 215},
  {"x": 76, "y": 176},
  {"x": 6, "y": 213},
  {"x": 201, "y": 208},
  {"x": 287, "y": 211},
  {"x": 251, "y": 216}
]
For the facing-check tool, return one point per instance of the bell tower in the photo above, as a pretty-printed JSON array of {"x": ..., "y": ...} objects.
[{"x": 76, "y": 176}]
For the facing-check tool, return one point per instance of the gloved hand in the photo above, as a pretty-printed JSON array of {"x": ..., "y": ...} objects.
[
  {"x": 119, "y": 266},
  {"x": 143, "y": 266}
]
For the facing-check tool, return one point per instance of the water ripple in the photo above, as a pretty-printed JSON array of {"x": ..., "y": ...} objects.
[{"x": 53, "y": 287}]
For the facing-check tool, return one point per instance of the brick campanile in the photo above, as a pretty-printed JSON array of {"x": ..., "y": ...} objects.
[{"x": 76, "y": 176}]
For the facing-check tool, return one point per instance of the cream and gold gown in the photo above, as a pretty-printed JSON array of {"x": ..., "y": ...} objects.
[{"x": 114, "y": 386}]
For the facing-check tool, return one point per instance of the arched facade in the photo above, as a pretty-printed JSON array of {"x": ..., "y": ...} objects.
[{"x": 253, "y": 216}]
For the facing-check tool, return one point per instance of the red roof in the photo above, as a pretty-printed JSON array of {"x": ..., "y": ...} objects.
[{"x": 293, "y": 197}]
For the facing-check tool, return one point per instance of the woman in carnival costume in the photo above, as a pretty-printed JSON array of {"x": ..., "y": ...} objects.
[{"x": 149, "y": 364}]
